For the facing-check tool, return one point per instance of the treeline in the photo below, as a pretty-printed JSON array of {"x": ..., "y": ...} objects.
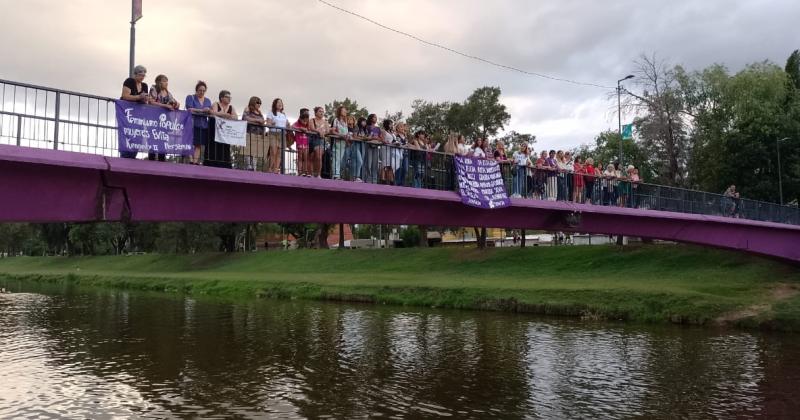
[
  {"x": 710, "y": 128},
  {"x": 73, "y": 239}
]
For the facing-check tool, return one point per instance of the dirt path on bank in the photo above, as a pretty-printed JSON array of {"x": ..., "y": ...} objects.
[{"x": 778, "y": 293}]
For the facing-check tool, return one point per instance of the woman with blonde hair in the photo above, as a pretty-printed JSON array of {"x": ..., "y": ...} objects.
[
  {"x": 161, "y": 96},
  {"x": 255, "y": 150}
]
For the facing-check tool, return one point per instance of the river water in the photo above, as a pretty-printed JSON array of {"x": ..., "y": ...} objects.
[{"x": 91, "y": 353}]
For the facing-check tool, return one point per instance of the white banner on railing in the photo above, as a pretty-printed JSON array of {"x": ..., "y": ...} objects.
[{"x": 232, "y": 132}]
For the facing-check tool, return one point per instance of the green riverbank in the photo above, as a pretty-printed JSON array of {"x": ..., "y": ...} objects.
[{"x": 654, "y": 284}]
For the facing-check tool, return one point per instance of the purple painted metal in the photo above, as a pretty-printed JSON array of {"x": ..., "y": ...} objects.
[{"x": 53, "y": 186}]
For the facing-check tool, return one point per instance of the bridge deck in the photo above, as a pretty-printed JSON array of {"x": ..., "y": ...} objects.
[{"x": 42, "y": 185}]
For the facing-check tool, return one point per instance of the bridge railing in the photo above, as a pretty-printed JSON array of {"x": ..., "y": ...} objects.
[{"x": 42, "y": 117}]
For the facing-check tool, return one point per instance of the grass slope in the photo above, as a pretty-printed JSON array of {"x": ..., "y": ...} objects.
[{"x": 646, "y": 283}]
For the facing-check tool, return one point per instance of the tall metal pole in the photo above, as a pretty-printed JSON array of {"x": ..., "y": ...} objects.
[
  {"x": 133, "y": 39},
  {"x": 619, "y": 119},
  {"x": 780, "y": 179}
]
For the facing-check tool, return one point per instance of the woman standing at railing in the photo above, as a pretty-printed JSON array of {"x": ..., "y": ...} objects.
[
  {"x": 301, "y": 141},
  {"x": 401, "y": 154},
  {"x": 199, "y": 104},
  {"x": 589, "y": 178},
  {"x": 219, "y": 154},
  {"x": 341, "y": 144},
  {"x": 540, "y": 176},
  {"x": 577, "y": 180},
  {"x": 319, "y": 128},
  {"x": 561, "y": 179},
  {"x": 609, "y": 175},
  {"x": 386, "y": 155},
  {"x": 551, "y": 166},
  {"x": 478, "y": 149},
  {"x": 417, "y": 155},
  {"x": 162, "y": 97},
  {"x": 373, "y": 142},
  {"x": 255, "y": 151},
  {"x": 134, "y": 89},
  {"x": 277, "y": 120},
  {"x": 522, "y": 161},
  {"x": 463, "y": 149},
  {"x": 360, "y": 133}
]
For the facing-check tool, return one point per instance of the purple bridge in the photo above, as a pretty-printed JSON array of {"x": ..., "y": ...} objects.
[{"x": 40, "y": 185}]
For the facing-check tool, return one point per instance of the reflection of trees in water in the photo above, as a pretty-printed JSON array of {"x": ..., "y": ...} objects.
[{"x": 312, "y": 359}]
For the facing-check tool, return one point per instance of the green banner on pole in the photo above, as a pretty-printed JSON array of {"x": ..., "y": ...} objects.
[{"x": 627, "y": 132}]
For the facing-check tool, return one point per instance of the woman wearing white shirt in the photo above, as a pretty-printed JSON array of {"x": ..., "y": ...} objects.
[
  {"x": 463, "y": 149},
  {"x": 276, "y": 119},
  {"x": 521, "y": 163},
  {"x": 477, "y": 149}
]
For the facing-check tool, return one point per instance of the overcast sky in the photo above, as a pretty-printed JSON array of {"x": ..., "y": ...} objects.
[{"x": 309, "y": 54}]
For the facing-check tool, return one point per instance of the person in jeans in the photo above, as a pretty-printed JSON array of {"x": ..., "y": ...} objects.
[
  {"x": 551, "y": 166},
  {"x": 255, "y": 151},
  {"x": 340, "y": 128},
  {"x": 199, "y": 106},
  {"x": 134, "y": 89},
  {"x": 417, "y": 156},
  {"x": 356, "y": 145},
  {"x": 401, "y": 154},
  {"x": 522, "y": 161},
  {"x": 372, "y": 145}
]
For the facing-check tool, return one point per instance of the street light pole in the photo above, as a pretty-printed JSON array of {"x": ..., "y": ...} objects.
[
  {"x": 136, "y": 14},
  {"x": 619, "y": 112},
  {"x": 780, "y": 179}
]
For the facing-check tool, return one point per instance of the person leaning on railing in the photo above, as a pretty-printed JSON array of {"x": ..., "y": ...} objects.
[
  {"x": 731, "y": 206},
  {"x": 540, "y": 176},
  {"x": 255, "y": 150},
  {"x": 578, "y": 184},
  {"x": 134, "y": 89},
  {"x": 219, "y": 154},
  {"x": 551, "y": 166},
  {"x": 450, "y": 150},
  {"x": 478, "y": 148},
  {"x": 401, "y": 154},
  {"x": 318, "y": 129},
  {"x": 199, "y": 104},
  {"x": 417, "y": 152},
  {"x": 277, "y": 120},
  {"x": 589, "y": 178},
  {"x": 161, "y": 96},
  {"x": 341, "y": 146},
  {"x": 372, "y": 157},
  {"x": 301, "y": 141},
  {"x": 359, "y": 134}
]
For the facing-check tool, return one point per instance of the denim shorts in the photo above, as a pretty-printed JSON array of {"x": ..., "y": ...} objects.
[{"x": 314, "y": 142}]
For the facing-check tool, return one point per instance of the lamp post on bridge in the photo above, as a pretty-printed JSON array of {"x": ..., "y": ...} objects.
[
  {"x": 136, "y": 14},
  {"x": 780, "y": 179},
  {"x": 619, "y": 112}
]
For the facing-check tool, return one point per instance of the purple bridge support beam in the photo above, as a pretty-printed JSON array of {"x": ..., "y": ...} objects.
[{"x": 52, "y": 186}]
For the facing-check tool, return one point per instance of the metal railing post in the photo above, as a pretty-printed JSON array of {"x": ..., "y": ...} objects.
[
  {"x": 19, "y": 130},
  {"x": 57, "y": 120},
  {"x": 283, "y": 151}
]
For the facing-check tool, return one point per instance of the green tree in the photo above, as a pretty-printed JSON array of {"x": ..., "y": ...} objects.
[
  {"x": 793, "y": 68},
  {"x": 514, "y": 140},
  {"x": 429, "y": 117}
]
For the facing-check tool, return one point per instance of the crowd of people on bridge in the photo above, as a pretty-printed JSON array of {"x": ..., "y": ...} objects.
[{"x": 364, "y": 149}]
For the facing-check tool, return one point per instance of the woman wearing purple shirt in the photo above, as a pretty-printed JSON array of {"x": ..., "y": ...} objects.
[
  {"x": 199, "y": 104},
  {"x": 552, "y": 176}
]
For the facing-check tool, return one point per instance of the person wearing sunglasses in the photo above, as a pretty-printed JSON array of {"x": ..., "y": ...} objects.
[
  {"x": 219, "y": 154},
  {"x": 255, "y": 150}
]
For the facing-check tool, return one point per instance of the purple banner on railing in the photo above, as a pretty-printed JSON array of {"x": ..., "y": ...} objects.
[
  {"x": 152, "y": 129},
  {"x": 480, "y": 183}
]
